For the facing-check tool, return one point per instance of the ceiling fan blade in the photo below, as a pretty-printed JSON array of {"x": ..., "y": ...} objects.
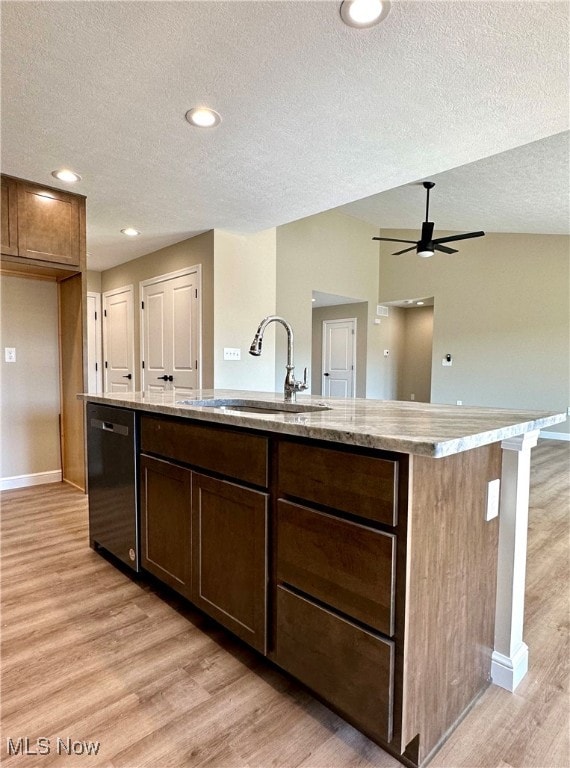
[
  {"x": 399, "y": 253},
  {"x": 427, "y": 231},
  {"x": 451, "y": 238},
  {"x": 443, "y": 248},
  {"x": 392, "y": 240}
]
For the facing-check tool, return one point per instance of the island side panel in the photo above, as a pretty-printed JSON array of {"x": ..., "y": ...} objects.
[{"x": 451, "y": 587}]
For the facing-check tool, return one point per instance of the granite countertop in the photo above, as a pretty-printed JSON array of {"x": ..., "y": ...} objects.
[{"x": 406, "y": 427}]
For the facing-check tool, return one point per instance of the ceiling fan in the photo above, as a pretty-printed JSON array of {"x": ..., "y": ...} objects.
[{"x": 425, "y": 246}]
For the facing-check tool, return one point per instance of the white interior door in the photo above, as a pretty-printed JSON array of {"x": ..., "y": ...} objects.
[
  {"x": 171, "y": 332},
  {"x": 94, "y": 366},
  {"x": 339, "y": 360},
  {"x": 118, "y": 340}
]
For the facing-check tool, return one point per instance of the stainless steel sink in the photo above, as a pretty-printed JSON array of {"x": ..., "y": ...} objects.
[{"x": 255, "y": 406}]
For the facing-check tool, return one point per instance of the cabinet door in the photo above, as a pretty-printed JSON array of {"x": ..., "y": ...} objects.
[
  {"x": 165, "y": 524},
  {"x": 229, "y": 564},
  {"x": 48, "y": 225},
  {"x": 9, "y": 218}
]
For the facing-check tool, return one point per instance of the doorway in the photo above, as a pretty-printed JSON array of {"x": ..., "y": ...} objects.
[{"x": 334, "y": 308}]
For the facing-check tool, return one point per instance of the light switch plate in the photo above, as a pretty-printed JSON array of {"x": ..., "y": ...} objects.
[
  {"x": 232, "y": 353},
  {"x": 10, "y": 354}
]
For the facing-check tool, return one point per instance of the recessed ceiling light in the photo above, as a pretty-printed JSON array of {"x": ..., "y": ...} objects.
[
  {"x": 203, "y": 117},
  {"x": 364, "y": 13},
  {"x": 130, "y": 232},
  {"x": 420, "y": 303},
  {"x": 64, "y": 174}
]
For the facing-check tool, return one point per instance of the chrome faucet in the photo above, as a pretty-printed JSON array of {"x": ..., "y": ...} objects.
[{"x": 292, "y": 386}]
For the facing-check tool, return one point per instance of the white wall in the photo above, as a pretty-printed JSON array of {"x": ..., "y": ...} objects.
[
  {"x": 244, "y": 293},
  {"x": 29, "y": 395},
  {"x": 332, "y": 253}
]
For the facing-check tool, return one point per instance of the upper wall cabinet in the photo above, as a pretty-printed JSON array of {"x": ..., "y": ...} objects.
[
  {"x": 9, "y": 217},
  {"x": 42, "y": 224}
]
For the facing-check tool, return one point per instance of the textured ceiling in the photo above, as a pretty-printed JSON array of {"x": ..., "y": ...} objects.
[{"x": 315, "y": 114}]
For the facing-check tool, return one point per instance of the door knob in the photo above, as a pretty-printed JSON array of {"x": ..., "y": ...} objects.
[
  {"x": 165, "y": 378},
  {"x": 326, "y": 374},
  {"x": 128, "y": 376}
]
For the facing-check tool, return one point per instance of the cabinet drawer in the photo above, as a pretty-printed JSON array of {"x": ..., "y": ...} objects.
[
  {"x": 352, "y": 669},
  {"x": 235, "y": 454},
  {"x": 348, "y": 566},
  {"x": 361, "y": 485}
]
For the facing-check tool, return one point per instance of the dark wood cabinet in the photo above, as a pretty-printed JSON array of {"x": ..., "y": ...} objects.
[
  {"x": 368, "y": 576},
  {"x": 204, "y": 536},
  {"x": 350, "y": 667},
  {"x": 229, "y": 561},
  {"x": 349, "y": 566},
  {"x": 9, "y": 218},
  {"x": 166, "y": 543},
  {"x": 42, "y": 224}
]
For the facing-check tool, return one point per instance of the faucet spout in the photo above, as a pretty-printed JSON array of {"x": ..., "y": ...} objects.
[{"x": 291, "y": 386}]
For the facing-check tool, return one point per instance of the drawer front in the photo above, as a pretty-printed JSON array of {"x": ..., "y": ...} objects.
[
  {"x": 235, "y": 454},
  {"x": 360, "y": 485},
  {"x": 348, "y": 566},
  {"x": 353, "y": 670}
]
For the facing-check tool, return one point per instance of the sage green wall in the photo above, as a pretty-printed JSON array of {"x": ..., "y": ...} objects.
[
  {"x": 244, "y": 293},
  {"x": 332, "y": 253},
  {"x": 188, "y": 253},
  {"x": 502, "y": 311},
  {"x": 340, "y": 312},
  {"x": 29, "y": 395}
]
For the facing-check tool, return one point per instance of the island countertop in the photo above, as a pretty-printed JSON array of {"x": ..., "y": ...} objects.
[{"x": 427, "y": 429}]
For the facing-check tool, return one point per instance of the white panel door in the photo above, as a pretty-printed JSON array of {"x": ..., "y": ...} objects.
[
  {"x": 94, "y": 365},
  {"x": 171, "y": 334},
  {"x": 118, "y": 340},
  {"x": 339, "y": 347}
]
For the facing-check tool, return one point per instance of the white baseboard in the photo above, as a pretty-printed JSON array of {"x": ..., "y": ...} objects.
[
  {"x": 554, "y": 435},
  {"x": 507, "y": 671},
  {"x": 23, "y": 481}
]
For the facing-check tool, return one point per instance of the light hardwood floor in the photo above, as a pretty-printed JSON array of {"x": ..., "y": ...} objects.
[{"x": 89, "y": 654}]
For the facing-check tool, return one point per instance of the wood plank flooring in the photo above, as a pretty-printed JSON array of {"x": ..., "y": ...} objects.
[{"x": 92, "y": 655}]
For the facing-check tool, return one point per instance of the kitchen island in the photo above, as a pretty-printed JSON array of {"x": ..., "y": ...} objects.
[{"x": 356, "y": 546}]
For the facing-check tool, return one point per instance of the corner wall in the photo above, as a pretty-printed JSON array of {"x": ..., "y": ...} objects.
[
  {"x": 244, "y": 293},
  {"x": 332, "y": 253}
]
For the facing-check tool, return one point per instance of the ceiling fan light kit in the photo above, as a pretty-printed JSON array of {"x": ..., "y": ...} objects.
[{"x": 427, "y": 245}]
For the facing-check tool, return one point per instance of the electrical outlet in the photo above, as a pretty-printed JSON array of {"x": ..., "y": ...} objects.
[
  {"x": 493, "y": 497},
  {"x": 412, "y": 396},
  {"x": 10, "y": 354},
  {"x": 232, "y": 353},
  {"x": 446, "y": 362},
  {"x": 459, "y": 402},
  {"x": 386, "y": 352}
]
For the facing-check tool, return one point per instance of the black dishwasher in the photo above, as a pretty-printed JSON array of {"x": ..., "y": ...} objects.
[{"x": 112, "y": 482}]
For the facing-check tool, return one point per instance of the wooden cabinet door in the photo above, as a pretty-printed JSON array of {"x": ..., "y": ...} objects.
[
  {"x": 48, "y": 225},
  {"x": 165, "y": 523},
  {"x": 229, "y": 563},
  {"x": 9, "y": 217}
]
